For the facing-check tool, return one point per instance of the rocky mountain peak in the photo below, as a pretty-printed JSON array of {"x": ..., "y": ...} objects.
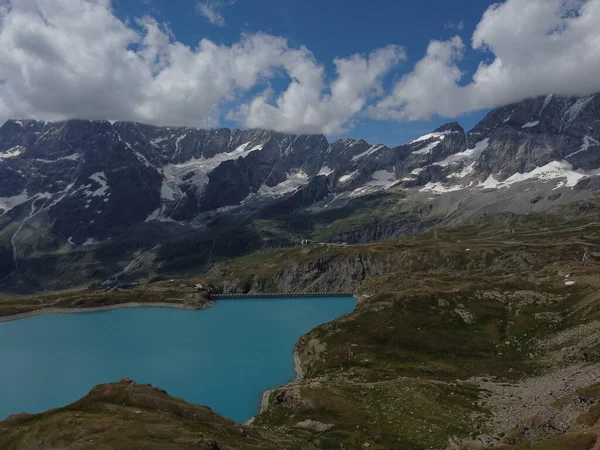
[
  {"x": 549, "y": 114},
  {"x": 451, "y": 127},
  {"x": 348, "y": 142}
]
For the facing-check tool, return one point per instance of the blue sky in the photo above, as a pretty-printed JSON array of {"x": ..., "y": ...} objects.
[
  {"x": 379, "y": 70},
  {"x": 335, "y": 28}
]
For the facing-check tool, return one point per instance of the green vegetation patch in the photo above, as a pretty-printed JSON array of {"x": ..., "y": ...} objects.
[{"x": 127, "y": 416}]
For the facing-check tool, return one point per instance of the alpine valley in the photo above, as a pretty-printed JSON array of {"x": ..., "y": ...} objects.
[{"x": 477, "y": 324}]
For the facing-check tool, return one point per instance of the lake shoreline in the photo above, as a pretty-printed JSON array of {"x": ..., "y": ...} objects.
[
  {"x": 264, "y": 401},
  {"x": 39, "y": 312}
]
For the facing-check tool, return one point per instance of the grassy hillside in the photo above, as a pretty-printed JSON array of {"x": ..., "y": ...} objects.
[
  {"x": 126, "y": 415},
  {"x": 464, "y": 338},
  {"x": 444, "y": 320}
]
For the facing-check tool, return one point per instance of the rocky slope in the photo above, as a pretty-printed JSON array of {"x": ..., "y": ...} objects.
[{"x": 83, "y": 200}]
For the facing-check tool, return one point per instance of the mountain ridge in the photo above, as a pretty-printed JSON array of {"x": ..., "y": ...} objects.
[{"x": 74, "y": 185}]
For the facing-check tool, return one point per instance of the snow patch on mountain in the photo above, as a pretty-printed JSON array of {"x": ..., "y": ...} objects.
[
  {"x": 531, "y": 124},
  {"x": 414, "y": 173},
  {"x": 73, "y": 157},
  {"x": 573, "y": 112},
  {"x": 12, "y": 153},
  {"x": 427, "y": 149},
  {"x": 143, "y": 160},
  {"x": 99, "y": 178},
  {"x": 490, "y": 183},
  {"x": 159, "y": 215},
  {"x": 470, "y": 153},
  {"x": 439, "y": 188},
  {"x": 178, "y": 142},
  {"x": 348, "y": 176},
  {"x": 325, "y": 171},
  {"x": 380, "y": 180},
  {"x": 199, "y": 168},
  {"x": 467, "y": 170},
  {"x": 551, "y": 171},
  {"x": 441, "y": 135},
  {"x": 8, "y": 203},
  {"x": 293, "y": 182},
  {"x": 587, "y": 143},
  {"x": 547, "y": 101},
  {"x": 555, "y": 170},
  {"x": 155, "y": 142},
  {"x": 167, "y": 191},
  {"x": 368, "y": 152}
]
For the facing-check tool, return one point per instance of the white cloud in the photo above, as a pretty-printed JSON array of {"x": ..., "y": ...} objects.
[
  {"x": 210, "y": 9},
  {"x": 538, "y": 47},
  {"x": 74, "y": 59},
  {"x": 305, "y": 107},
  {"x": 56, "y": 56},
  {"x": 434, "y": 77},
  {"x": 64, "y": 59}
]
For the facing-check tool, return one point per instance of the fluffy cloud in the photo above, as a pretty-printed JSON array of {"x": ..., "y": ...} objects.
[
  {"x": 66, "y": 58},
  {"x": 434, "y": 77},
  {"x": 538, "y": 47},
  {"x": 210, "y": 9},
  {"x": 74, "y": 59},
  {"x": 304, "y": 107}
]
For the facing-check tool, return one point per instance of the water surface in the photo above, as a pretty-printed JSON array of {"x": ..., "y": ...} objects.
[{"x": 223, "y": 357}]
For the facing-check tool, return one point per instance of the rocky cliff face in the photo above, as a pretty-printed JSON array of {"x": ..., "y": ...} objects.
[
  {"x": 71, "y": 188},
  {"x": 346, "y": 269}
]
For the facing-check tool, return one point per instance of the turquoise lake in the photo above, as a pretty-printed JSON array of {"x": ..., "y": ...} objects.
[{"x": 223, "y": 357}]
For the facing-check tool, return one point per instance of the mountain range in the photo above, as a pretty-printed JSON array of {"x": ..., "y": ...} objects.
[{"x": 94, "y": 202}]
